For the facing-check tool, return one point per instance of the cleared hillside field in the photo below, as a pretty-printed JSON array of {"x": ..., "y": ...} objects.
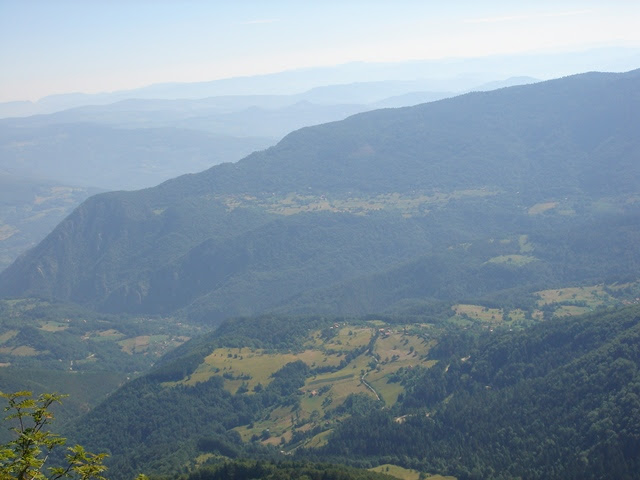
[{"x": 344, "y": 359}]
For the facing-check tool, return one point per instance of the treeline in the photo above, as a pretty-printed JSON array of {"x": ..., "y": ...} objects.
[{"x": 291, "y": 470}]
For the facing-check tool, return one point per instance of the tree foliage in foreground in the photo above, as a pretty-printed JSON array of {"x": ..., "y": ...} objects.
[{"x": 25, "y": 457}]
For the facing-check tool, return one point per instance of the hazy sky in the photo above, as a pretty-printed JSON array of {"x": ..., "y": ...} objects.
[{"x": 58, "y": 46}]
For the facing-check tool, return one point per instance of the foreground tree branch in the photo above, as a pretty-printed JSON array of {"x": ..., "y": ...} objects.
[{"x": 25, "y": 457}]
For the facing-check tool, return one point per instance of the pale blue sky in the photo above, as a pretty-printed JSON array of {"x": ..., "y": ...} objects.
[{"x": 58, "y": 46}]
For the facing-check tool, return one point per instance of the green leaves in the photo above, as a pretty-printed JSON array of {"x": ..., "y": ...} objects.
[{"x": 25, "y": 457}]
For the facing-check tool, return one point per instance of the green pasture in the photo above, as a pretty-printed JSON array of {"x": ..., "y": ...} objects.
[
  {"x": 524, "y": 244},
  {"x": 406, "y": 474},
  {"x": 539, "y": 208},
  {"x": 478, "y": 313},
  {"x": 345, "y": 338},
  {"x": 279, "y": 423},
  {"x": 254, "y": 366},
  {"x": 319, "y": 440},
  {"x": 570, "y": 310},
  {"x": 8, "y": 335},
  {"x": 592, "y": 296},
  {"x": 110, "y": 335},
  {"x": 21, "y": 351},
  {"x": 490, "y": 316},
  {"x": 322, "y": 393},
  {"x": 409, "y": 205},
  {"x": 156, "y": 344},
  {"x": 53, "y": 326},
  {"x": 513, "y": 260}
]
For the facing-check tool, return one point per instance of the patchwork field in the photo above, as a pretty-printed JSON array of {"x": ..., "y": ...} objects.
[
  {"x": 491, "y": 317},
  {"x": 240, "y": 366},
  {"x": 579, "y": 300},
  {"x": 407, "y": 474},
  {"x": 53, "y": 326},
  {"x": 556, "y": 302},
  {"x": 7, "y": 335},
  {"x": 515, "y": 260},
  {"x": 21, "y": 351},
  {"x": 33, "y": 332},
  {"x": 539, "y": 208},
  {"x": 524, "y": 244},
  {"x": 365, "y": 358},
  {"x": 592, "y": 296},
  {"x": 157, "y": 344},
  {"x": 409, "y": 205},
  {"x": 478, "y": 313},
  {"x": 344, "y": 360}
]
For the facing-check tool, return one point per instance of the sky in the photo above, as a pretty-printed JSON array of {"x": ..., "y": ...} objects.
[{"x": 90, "y": 46}]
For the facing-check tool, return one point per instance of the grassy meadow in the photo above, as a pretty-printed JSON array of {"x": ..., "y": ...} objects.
[{"x": 344, "y": 360}]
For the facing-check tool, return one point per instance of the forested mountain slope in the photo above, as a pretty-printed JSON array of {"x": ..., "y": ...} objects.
[
  {"x": 559, "y": 400},
  {"x": 556, "y": 400},
  {"x": 510, "y": 182},
  {"x": 30, "y": 208}
]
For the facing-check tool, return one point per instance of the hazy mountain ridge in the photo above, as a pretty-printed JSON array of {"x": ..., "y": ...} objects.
[
  {"x": 30, "y": 208},
  {"x": 116, "y": 158},
  {"x": 137, "y": 142},
  {"x": 457, "y": 74},
  {"x": 499, "y": 156},
  {"x": 511, "y": 123},
  {"x": 227, "y": 115}
]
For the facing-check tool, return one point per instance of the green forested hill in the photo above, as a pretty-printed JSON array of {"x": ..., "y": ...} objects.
[
  {"x": 557, "y": 252},
  {"x": 559, "y": 399},
  {"x": 160, "y": 421},
  {"x": 481, "y": 192}
]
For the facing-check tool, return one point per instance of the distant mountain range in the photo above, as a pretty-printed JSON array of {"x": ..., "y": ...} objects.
[
  {"x": 139, "y": 143},
  {"x": 451, "y": 74},
  {"x": 462, "y": 197}
]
